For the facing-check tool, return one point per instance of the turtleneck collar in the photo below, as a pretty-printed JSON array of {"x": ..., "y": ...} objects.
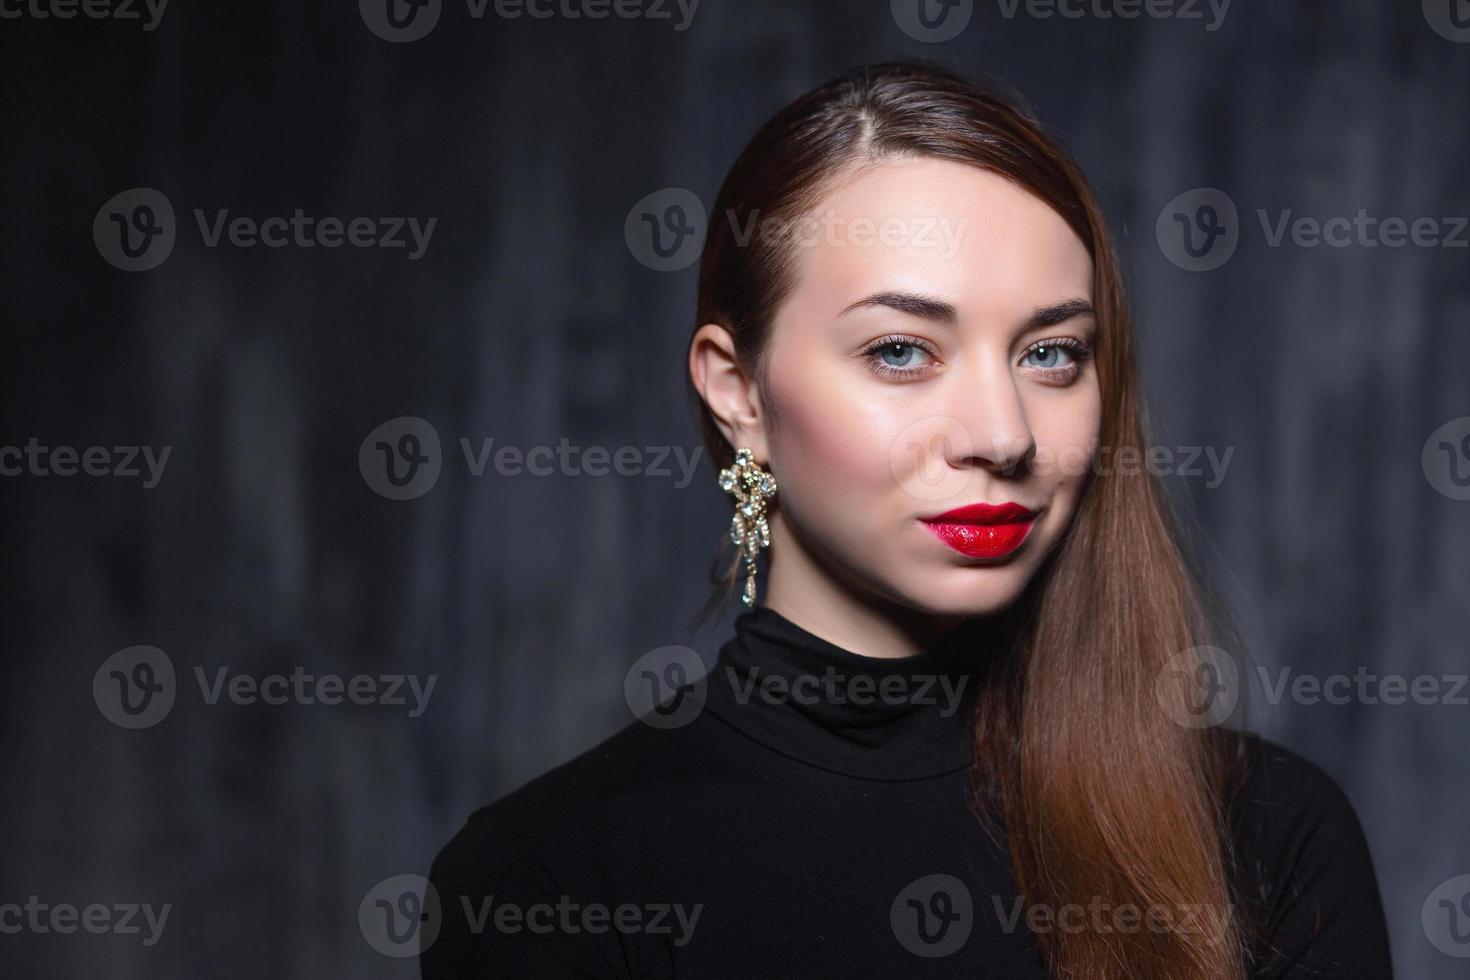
[{"x": 871, "y": 717}]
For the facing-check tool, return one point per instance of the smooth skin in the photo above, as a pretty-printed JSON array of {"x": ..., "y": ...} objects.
[{"x": 905, "y": 377}]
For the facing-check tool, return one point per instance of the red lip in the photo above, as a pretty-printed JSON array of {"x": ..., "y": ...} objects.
[
  {"x": 984, "y": 514},
  {"x": 983, "y": 530}
]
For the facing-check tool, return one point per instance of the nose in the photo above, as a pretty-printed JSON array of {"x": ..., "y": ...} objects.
[{"x": 992, "y": 430}]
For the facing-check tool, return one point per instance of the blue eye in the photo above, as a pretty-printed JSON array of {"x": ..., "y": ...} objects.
[
  {"x": 1057, "y": 360},
  {"x": 1048, "y": 356},
  {"x": 897, "y": 356}
]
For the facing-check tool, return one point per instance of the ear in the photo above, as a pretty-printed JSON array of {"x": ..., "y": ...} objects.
[{"x": 727, "y": 390}]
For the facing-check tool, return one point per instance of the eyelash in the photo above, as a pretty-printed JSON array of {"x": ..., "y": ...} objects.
[
  {"x": 1080, "y": 351},
  {"x": 887, "y": 370}
]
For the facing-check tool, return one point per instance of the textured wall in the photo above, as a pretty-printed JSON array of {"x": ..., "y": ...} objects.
[{"x": 262, "y": 548}]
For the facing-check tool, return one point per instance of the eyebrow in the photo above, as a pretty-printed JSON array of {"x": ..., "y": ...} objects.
[{"x": 935, "y": 309}]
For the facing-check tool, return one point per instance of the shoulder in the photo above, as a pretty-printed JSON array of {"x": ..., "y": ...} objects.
[
  {"x": 1303, "y": 871},
  {"x": 565, "y": 836},
  {"x": 597, "y": 775},
  {"x": 613, "y": 776},
  {"x": 629, "y": 788},
  {"x": 1276, "y": 785}
]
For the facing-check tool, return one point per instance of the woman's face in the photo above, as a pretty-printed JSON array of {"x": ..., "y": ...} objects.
[{"x": 932, "y": 354}]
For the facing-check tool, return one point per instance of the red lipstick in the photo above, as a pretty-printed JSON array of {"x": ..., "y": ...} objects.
[{"x": 983, "y": 530}]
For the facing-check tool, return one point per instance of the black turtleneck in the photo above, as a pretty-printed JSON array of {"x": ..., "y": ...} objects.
[{"x": 803, "y": 813}]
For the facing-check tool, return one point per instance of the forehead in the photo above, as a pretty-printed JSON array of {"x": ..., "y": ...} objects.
[{"x": 939, "y": 227}]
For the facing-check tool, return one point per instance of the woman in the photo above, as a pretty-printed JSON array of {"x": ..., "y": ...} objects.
[{"x": 962, "y": 734}]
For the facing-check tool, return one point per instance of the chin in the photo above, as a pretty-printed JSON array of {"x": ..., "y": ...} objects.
[{"x": 969, "y": 591}]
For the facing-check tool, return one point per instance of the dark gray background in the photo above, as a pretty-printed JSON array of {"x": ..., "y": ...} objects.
[{"x": 529, "y": 320}]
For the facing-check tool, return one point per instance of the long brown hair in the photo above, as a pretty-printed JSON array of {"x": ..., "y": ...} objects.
[{"x": 1103, "y": 795}]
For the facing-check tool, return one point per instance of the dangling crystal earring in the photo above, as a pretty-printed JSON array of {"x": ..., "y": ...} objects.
[{"x": 752, "y": 487}]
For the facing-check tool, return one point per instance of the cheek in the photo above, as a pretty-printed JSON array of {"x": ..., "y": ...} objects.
[
  {"x": 830, "y": 443},
  {"x": 1066, "y": 430}
]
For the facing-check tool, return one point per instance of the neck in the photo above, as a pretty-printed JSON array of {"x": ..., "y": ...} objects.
[
  {"x": 844, "y": 612},
  {"x": 895, "y": 718}
]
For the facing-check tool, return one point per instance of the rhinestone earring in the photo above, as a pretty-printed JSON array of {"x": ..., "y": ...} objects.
[{"x": 751, "y": 487}]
